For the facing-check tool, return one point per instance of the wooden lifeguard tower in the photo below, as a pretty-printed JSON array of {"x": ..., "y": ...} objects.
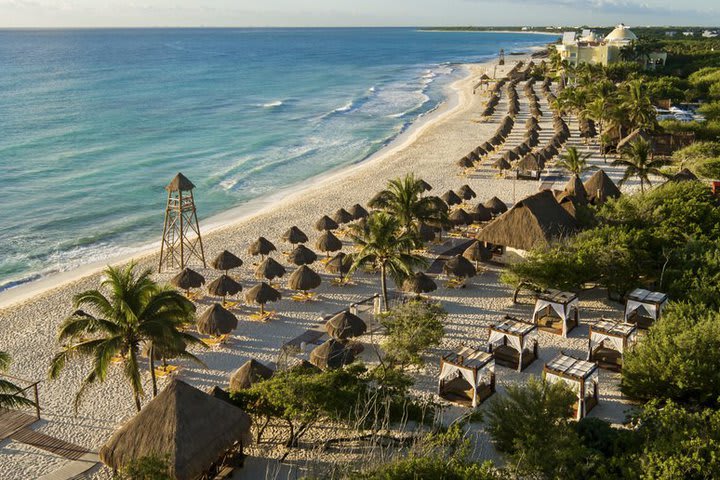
[
  {"x": 181, "y": 233},
  {"x": 501, "y": 57}
]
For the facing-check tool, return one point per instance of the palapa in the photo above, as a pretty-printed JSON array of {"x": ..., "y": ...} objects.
[
  {"x": 481, "y": 213},
  {"x": 304, "y": 279},
  {"x": 419, "y": 283},
  {"x": 487, "y": 146},
  {"x": 465, "y": 162},
  {"x": 600, "y": 188},
  {"x": 576, "y": 189},
  {"x": 532, "y": 222},
  {"x": 426, "y": 232},
  {"x": 269, "y": 269},
  {"x": 501, "y": 164},
  {"x": 510, "y": 156},
  {"x": 684, "y": 175},
  {"x": 460, "y": 217},
  {"x": 345, "y": 325},
  {"x": 466, "y": 193},
  {"x": 223, "y": 286},
  {"x": 326, "y": 223},
  {"x": 339, "y": 264},
  {"x": 262, "y": 294},
  {"x": 357, "y": 211},
  {"x": 294, "y": 236},
  {"x": 497, "y": 140},
  {"x": 216, "y": 321},
  {"x": 496, "y": 206},
  {"x": 262, "y": 246},
  {"x": 331, "y": 354},
  {"x": 426, "y": 187},
  {"x": 226, "y": 261},
  {"x": 342, "y": 216},
  {"x": 302, "y": 255},
  {"x": 477, "y": 252},
  {"x": 327, "y": 242},
  {"x": 179, "y": 183},
  {"x": 187, "y": 279},
  {"x": 249, "y": 373},
  {"x": 189, "y": 428},
  {"x": 459, "y": 266},
  {"x": 451, "y": 198}
]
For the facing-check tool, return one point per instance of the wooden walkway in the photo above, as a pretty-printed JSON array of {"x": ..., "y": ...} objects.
[
  {"x": 13, "y": 420},
  {"x": 49, "y": 444}
]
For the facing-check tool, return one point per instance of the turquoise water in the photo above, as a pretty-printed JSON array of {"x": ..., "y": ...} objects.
[{"x": 94, "y": 123}]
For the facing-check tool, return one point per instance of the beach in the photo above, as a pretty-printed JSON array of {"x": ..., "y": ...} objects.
[{"x": 31, "y": 314}]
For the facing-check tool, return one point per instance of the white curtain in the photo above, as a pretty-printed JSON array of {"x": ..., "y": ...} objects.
[
  {"x": 574, "y": 385},
  {"x": 515, "y": 342},
  {"x": 496, "y": 337},
  {"x": 633, "y": 305},
  {"x": 541, "y": 304},
  {"x": 596, "y": 338}
]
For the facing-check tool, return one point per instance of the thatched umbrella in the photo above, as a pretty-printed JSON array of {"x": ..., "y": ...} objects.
[
  {"x": 302, "y": 255},
  {"x": 304, "y": 279},
  {"x": 262, "y": 246},
  {"x": 460, "y": 217},
  {"x": 249, "y": 373},
  {"x": 575, "y": 188},
  {"x": 187, "y": 279},
  {"x": 223, "y": 286},
  {"x": 357, "y": 211},
  {"x": 339, "y": 264},
  {"x": 466, "y": 193},
  {"x": 479, "y": 151},
  {"x": 269, "y": 269},
  {"x": 327, "y": 242},
  {"x": 459, "y": 266},
  {"x": 496, "y": 206},
  {"x": 481, "y": 213},
  {"x": 451, "y": 198},
  {"x": 465, "y": 162},
  {"x": 294, "y": 236},
  {"x": 477, "y": 252},
  {"x": 426, "y": 187},
  {"x": 216, "y": 321},
  {"x": 497, "y": 140},
  {"x": 326, "y": 223},
  {"x": 261, "y": 294},
  {"x": 510, "y": 156},
  {"x": 188, "y": 428},
  {"x": 226, "y": 261},
  {"x": 487, "y": 146},
  {"x": 501, "y": 164},
  {"x": 345, "y": 325},
  {"x": 600, "y": 188},
  {"x": 342, "y": 216},
  {"x": 426, "y": 232},
  {"x": 684, "y": 175},
  {"x": 419, "y": 283},
  {"x": 331, "y": 354},
  {"x": 522, "y": 149}
]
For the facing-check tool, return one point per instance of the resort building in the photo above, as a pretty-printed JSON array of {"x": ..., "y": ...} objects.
[{"x": 593, "y": 49}]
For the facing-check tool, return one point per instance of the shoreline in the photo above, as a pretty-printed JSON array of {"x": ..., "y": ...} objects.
[{"x": 17, "y": 295}]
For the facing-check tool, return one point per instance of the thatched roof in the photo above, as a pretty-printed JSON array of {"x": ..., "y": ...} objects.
[
  {"x": 295, "y": 235},
  {"x": 501, "y": 164},
  {"x": 261, "y": 294},
  {"x": 327, "y": 242},
  {"x": 477, "y": 252},
  {"x": 302, "y": 255},
  {"x": 599, "y": 188},
  {"x": 575, "y": 188},
  {"x": 532, "y": 222},
  {"x": 187, "y": 279},
  {"x": 343, "y": 216},
  {"x": 419, "y": 283},
  {"x": 226, "y": 261},
  {"x": 378, "y": 200},
  {"x": 459, "y": 266},
  {"x": 249, "y": 372},
  {"x": 683, "y": 175},
  {"x": 216, "y": 321},
  {"x": 304, "y": 278},
  {"x": 261, "y": 246},
  {"x": 190, "y": 427},
  {"x": 345, "y": 325},
  {"x": 465, "y": 162},
  {"x": 487, "y": 147},
  {"x": 510, "y": 156},
  {"x": 426, "y": 232},
  {"x": 496, "y": 206},
  {"x": 339, "y": 263},
  {"x": 424, "y": 185},
  {"x": 481, "y": 213},
  {"x": 460, "y": 217},
  {"x": 224, "y": 285},
  {"x": 451, "y": 198},
  {"x": 358, "y": 212},
  {"x": 269, "y": 269},
  {"x": 331, "y": 354},
  {"x": 326, "y": 223},
  {"x": 179, "y": 183},
  {"x": 634, "y": 135},
  {"x": 530, "y": 162}
]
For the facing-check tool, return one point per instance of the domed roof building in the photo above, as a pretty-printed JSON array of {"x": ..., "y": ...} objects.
[{"x": 621, "y": 35}]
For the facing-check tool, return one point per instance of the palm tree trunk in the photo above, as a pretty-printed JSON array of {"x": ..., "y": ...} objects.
[
  {"x": 152, "y": 369},
  {"x": 137, "y": 400},
  {"x": 383, "y": 285}
]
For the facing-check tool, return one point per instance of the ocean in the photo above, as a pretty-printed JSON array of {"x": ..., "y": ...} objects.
[{"x": 94, "y": 123}]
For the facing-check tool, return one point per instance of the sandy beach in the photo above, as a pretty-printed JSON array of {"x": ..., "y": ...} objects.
[{"x": 30, "y": 314}]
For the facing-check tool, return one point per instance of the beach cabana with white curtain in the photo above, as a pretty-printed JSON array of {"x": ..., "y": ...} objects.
[
  {"x": 644, "y": 307},
  {"x": 513, "y": 343},
  {"x": 580, "y": 375},
  {"x": 608, "y": 342},
  {"x": 556, "y": 312},
  {"x": 467, "y": 376}
]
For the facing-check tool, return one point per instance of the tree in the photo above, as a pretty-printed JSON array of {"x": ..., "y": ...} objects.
[
  {"x": 137, "y": 310},
  {"x": 574, "y": 162},
  {"x": 678, "y": 359},
  {"x": 384, "y": 245},
  {"x": 146, "y": 468},
  {"x": 11, "y": 395},
  {"x": 638, "y": 162},
  {"x": 637, "y": 106},
  {"x": 531, "y": 427},
  {"x": 412, "y": 329}
]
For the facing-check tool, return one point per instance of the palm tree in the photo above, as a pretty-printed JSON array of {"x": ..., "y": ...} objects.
[
  {"x": 574, "y": 162},
  {"x": 11, "y": 395},
  {"x": 137, "y": 310},
  {"x": 637, "y": 106},
  {"x": 638, "y": 162},
  {"x": 383, "y": 244}
]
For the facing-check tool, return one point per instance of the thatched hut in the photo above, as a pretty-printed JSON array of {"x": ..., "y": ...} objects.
[
  {"x": 419, "y": 283},
  {"x": 327, "y": 242},
  {"x": 294, "y": 236},
  {"x": 262, "y": 246},
  {"x": 342, "y": 216},
  {"x": 223, "y": 286},
  {"x": 302, "y": 255},
  {"x": 465, "y": 162},
  {"x": 326, "y": 223},
  {"x": 684, "y": 175},
  {"x": 530, "y": 167},
  {"x": 216, "y": 321},
  {"x": 599, "y": 188},
  {"x": 358, "y": 212},
  {"x": 304, "y": 279},
  {"x": 345, "y": 325},
  {"x": 226, "y": 261},
  {"x": 331, "y": 354},
  {"x": 501, "y": 164},
  {"x": 249, "y": 373},
  {"x": 187, "y": 279},
  {"x": 269, "y": 269},
  {"x": 262, "y": 294},
  {"x": 339, "y": 264},
  {"x": 466, "y": 193},
  {"x": 460, "y": 217},
  {"x": 480, "y": 213},
  {"x": 496, "y": 206},
  {"x": 459, "y": 266},
  {"x": 575, "y": 188},
  {"x": 426, "y": 187},
  {"x": 477, "y": 252},
  {"x": 192, "y": 429},
  {"x": 451, "y": 198},
  {"x": 532, "y": 222}
]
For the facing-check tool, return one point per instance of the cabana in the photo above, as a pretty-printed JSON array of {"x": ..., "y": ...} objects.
[
  {"x": 467, "y": 376},
  {"x": 556, "y": 312},
  {"x": 608, "y": 341},
  {"x": 580, "y": 375},
  {"x": 643, "y": 307},
  {"x": 529, "y": 168},
  {"x": 513, "y": 343}
]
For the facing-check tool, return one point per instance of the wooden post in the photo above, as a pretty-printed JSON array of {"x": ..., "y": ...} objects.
[{"x": 37, "y": 401}]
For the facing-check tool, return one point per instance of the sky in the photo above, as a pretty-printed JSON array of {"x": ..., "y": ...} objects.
[{"x": 338, "y": 13}]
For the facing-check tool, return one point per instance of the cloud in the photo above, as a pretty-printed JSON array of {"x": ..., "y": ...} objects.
[{"x": 620, "y": 7}]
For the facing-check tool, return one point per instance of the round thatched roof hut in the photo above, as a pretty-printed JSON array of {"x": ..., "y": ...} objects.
[
  {"x": 187, "y": 279},
  {"x": 345, "y": 325},
  {"x": 466, "y": 193},
  {"x": 326, "y": 223},
  {"x": 419, "y": 283},
  {"x": 262, "y": 246},
  {"x": 223, "y": 286},
  {"x": 216, "y": 321},
  {"x": 294, "y": 235},
  {"x": 331, "y": 354},
  {"x": 249, "y": 372},
  {"x": 460, "y": 217},
  {"x": 302, "y": 255},
  {"x": 358, "y": 212},
  {"x": 459, "y": 266},
  {"x": 262, "y": 294},
  {"x": 304, "y": 279},
  {"x": 343, "y": 216},
  {"x": 327, "y": 242},
  {"x": 451, "y": 198},
  {"x": 226, "y": 261},
  {"x": 599, "y": 188},
  {"x": 496, "y": 206},
  {"x": 269, "y": 269}
]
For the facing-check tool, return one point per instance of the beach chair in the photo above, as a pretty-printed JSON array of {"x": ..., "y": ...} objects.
[
  {"x": 215, "y": 341},
  {"x": 263, "y": 317},
  {"x": 303, "y": 297},
  {"x": 166, "y": 370},
  {"x": 455, "y": 283}
]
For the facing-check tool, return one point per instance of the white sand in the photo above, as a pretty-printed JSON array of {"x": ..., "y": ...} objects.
[{"x": 430, "y": 151}]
